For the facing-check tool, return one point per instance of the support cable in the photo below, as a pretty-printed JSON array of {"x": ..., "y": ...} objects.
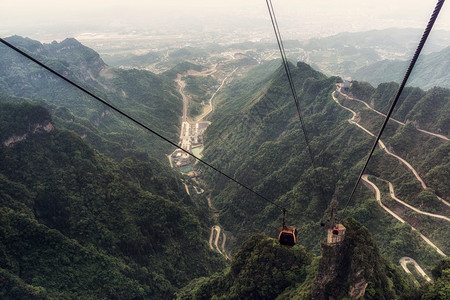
[
  {"x": 287, "y": 69},
  {"x": 289, "y": 76},
  {"x": 133, "y": 119},
  {"x": 425, "y": 35}
]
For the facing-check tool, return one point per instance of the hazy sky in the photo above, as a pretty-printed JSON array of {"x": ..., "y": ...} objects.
[{"x": 296, "y": 17}]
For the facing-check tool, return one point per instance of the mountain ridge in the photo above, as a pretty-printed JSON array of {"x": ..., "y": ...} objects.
[
  {"x": 431, "y": 71},
  {"x": 117, "y": 211},
  {"x": 262, "y": 269},
  {"x": 139, "y": 93},
  {"x": 268, "y": 153}
]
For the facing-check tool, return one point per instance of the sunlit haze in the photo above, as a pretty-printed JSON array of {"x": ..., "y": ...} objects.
[{"x": 47, "y": 20}]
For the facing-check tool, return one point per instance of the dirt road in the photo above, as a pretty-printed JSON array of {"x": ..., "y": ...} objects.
[
  {"x": 185, "y": 143},
  {"x": 214, "y": 236}
]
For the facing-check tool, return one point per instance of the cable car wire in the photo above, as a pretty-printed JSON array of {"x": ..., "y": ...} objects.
[
  {"x": 287, "y": 69},
  {"x": 424, "y": 38},
  {"x": 289, "y": 76},
  {"x": 133, "y": 120}
]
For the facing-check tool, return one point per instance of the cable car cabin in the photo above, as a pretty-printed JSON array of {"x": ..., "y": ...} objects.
[
  {"x": 288, "y": 236},
  {"x": 336, "y": 231}
]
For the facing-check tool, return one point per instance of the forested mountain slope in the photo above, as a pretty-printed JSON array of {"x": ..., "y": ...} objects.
[
  {"x": 428, "y": 110},
  {"x": 88, "y": 226},
  {"x": 148, "y": 97},
  {"x": 357, "y": 54},
  {"x": 262, "y": 269},
  {"x": 257, "y": 138},
  {"x": 76, "y": 224},
  {"x": 431, "y": 70}
]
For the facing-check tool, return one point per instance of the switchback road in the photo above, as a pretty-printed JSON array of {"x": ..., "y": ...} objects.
[
  {"x": 374, "y": 188},
  {"x": 380, "y": 113},
  {"x": 382, "y": 146},
  {"x": 405, "y": 260}
]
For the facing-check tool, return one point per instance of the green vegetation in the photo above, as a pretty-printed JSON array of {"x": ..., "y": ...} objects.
[
  {"x": 379, "y": 56},
  {"x": 200, "y": 88},
  {"x": 417, "y": 276},
  {"x": 30, "y": 114},
  {"x": 431, "y": 71},
  {"x": 266, "y": 129},
  {"x": 188, "y": 53},
  {"x": 131, "y": 60},
  {"x": 437, "y": 289},
  {"x": 261, "y": 269},
  {"x": 87, "y": 209},
  {"x": 182, "y": 68},
  {"x": 150, "y": 98},
  {"x": 355, "y": 268},
  {"x": 256, "y": 137},
  {"x": 362, "y": 90},
  {"x": 161, "y": 59},
  {"x": 429, "y": 110},
  {"x": 75, "y": 224}
]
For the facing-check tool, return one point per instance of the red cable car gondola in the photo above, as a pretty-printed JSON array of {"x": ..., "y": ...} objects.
[
  {"x": 336, "y": 230},
  {"x": 288, "y": 234}
]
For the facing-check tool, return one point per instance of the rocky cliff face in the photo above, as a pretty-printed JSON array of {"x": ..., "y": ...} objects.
[
  {"x": 19, "y": 121},
  {"x": 69, "y": 57},
  {"x": 355, "y": 269},
  {"x": 74, "y": 52},
  {"x": 261, "y": 269},
  {"x": 331, "y": 264},
  {"x": 34, "y": 128}
]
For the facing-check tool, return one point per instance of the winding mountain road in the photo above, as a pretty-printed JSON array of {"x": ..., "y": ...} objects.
[
  {"x": 217, "y": 229},
  {"x": 382, "y": 145},
  {"x": 339, "y": 86},
  {"x": 405, "y": 260},
  {"x": 199, "y": 190},
  {"x": 374, "y": 188},
  {"x": 224, "y": 239},
  {"x": 184, "y": 141},
  {"x": 187, "y": 188},
  {"x": 214, "y": 239},
  {"x": 182, "y": 85},
  {"x": 392, "y": 194}
]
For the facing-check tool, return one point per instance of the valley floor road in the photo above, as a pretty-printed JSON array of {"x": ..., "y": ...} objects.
[{"x": 191, "y": 136}]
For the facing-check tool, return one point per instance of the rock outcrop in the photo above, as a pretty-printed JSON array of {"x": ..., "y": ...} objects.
[
  {"x": 354, "y": 268},
  {"x": 34, "y": 128},
  {"x": 20, "y": 121}
]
